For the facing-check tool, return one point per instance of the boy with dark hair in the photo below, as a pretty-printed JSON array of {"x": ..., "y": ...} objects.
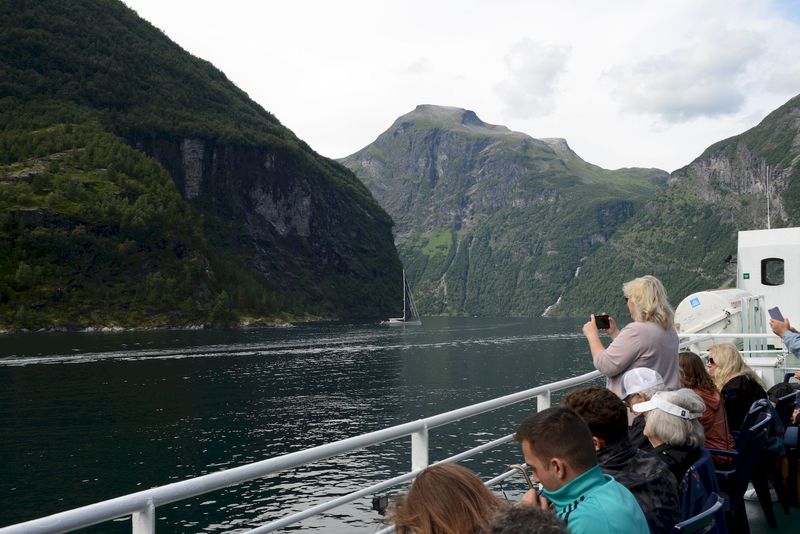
[
  {"x": 558, "y": 447},
  {"x": 643, "y": 473}
]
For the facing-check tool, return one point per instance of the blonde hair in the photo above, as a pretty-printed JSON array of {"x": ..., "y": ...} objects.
[
  {"x": 650, "y": 300},
  {"x": 729, "y": 364},
  {"x": 445, "y": 499}
]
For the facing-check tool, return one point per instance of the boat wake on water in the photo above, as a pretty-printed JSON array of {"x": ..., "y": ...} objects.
[{"x": 361, "y": 344}]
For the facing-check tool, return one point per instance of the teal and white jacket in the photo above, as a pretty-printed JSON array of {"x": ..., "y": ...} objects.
[{"x": 595, "y": 503}]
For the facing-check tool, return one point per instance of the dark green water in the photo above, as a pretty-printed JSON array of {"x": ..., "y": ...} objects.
[{"x": 87, "y": 417}]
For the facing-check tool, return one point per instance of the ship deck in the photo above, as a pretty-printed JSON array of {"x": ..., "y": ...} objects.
[{"x": 788, "y": 524}]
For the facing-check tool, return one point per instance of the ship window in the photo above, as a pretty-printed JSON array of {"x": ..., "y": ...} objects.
[{"x": 772, "y": 271}]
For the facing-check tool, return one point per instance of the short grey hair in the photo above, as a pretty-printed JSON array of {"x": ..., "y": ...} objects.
[
  {"x": 649, "y": 392},
  {"x": 674, "y": 430}
]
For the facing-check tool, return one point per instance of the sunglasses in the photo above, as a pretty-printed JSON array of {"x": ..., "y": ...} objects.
[
  {"x": 711, "y": 361},
  {"x": 626, "y": 299}
]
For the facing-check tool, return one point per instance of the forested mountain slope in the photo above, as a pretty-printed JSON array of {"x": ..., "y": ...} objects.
[
  {"x": 490, "y": 221},
  {"x": 685, "y": 234},
  {"x": 139, "y": 186}
]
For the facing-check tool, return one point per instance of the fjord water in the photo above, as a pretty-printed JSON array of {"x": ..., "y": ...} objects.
[{"x": 87, "y": 417}]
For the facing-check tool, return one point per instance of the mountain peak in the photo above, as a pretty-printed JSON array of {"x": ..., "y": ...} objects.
[
  {"x": 559, "y": 146},
  {"x": 448, "y": 117}
]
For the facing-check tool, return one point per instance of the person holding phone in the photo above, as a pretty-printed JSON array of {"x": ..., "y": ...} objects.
[
  {"x": 789, "y": 335},
  {"x": 649, "y": 341}
]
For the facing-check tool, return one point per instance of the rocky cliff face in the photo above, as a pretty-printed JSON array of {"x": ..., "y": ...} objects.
[
  {"x": 292, "y": 221},
  {"x": 490, "y": 221},
  {"x": 756, "y": 167}
]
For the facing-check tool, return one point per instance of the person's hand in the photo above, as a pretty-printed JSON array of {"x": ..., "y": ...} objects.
[
  {"x": 613, "y": 329},
  {"x": 533, "y": 498},
  {"x": 779, "y": 327},
  {"x": 590, "y": 328}
]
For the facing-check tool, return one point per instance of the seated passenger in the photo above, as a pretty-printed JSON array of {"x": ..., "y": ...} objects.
[
  {"x": 740, "y": 386},
  {"x": 526, "y": 520},
  {"x": 714, "y": 420},
  {"x": 673, "y": 428},
  {"x": 643, "y": 473},
  {"x": 445, "y": 499},
  {"x": 557, "y": 445},
  {"x": 638, "y": 385}
]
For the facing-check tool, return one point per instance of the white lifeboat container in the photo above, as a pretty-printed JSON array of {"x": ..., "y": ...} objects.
[{"x": 712, "y": 312}]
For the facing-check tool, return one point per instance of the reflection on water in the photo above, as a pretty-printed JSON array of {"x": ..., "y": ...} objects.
[{"x": 88, "y": 417}]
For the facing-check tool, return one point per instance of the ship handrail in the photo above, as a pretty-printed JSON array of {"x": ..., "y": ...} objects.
[{"x": 141, "y": 505}]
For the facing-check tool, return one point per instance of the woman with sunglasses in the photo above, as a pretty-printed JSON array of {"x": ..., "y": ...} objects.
[
  {"x": 649, "y": 341},
  {"x": 740, "y": 386}
]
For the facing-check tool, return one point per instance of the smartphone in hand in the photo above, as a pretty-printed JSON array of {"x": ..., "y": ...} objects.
[
  {"x": 602, "y": 321},
  {"x": 775, "y": 313}
]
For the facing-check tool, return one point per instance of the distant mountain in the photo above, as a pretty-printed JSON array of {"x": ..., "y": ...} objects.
[
  {"x": 684, "y": 235},
  {"x": 490, "y": 221},
  {"x": 140, "y": 187}
]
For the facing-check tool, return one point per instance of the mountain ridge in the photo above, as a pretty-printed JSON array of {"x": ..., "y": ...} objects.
[
  {"x": 466, "y": 199},
  {"x": 679, "y": 227}
]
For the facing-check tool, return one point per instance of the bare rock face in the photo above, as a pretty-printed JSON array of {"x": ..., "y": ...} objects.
[
  {"x": 192, "y": 157},
  {"x": 749, "y": 176},
  {"x": 293, "y": 221},
  {"x": 288, "y": 215}
]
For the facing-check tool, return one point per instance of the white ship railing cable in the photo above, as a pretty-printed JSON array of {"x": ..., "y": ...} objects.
[{"x": 141, "y": 505}]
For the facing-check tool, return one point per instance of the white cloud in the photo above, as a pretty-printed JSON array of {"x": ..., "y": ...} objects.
[
  {"x": 420, "y": 66},
  {"x": 703, "y": 79},
  {"x": 534, "y": 70},
  {"x": 626, "y": 82}
]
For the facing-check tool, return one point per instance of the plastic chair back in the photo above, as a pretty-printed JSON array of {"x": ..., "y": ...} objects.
[
  {"x": 754, "y": 415},
  {"x": 711, "y": 520},
  {"x": 785, "y": 405},
  {"x": 697, "y": 485},
  {"x": 748, "y": 449}
]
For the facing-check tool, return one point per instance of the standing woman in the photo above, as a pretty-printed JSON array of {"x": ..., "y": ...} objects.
[
  {"x": 740, "y": 386},
  {"x": 649, "y": 341},
  {"x": 714, "y": 419}
]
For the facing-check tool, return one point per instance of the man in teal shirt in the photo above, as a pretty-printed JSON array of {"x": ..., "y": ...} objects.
[{"x": 557, "y": 445}]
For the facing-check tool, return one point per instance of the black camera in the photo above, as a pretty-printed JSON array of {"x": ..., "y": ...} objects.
[{"x": 602, "y": 321}]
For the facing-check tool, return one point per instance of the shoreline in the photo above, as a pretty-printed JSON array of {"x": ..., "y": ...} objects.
[{"x": 244, "y": 325}]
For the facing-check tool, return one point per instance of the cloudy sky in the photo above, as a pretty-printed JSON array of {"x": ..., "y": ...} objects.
[{"x": 626, "y": 82}]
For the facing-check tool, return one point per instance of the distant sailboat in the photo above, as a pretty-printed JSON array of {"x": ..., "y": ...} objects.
[{"x": 410, "y": 314}]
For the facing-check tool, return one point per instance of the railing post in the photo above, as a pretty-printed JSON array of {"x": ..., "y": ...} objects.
[
  {"x": 144, "y": 521},
  {"x": 543, "y": 401},
  {"x": 419, "y": 449}
]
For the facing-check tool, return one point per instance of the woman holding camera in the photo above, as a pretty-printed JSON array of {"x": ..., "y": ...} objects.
[{"x": 649, "y": 341}]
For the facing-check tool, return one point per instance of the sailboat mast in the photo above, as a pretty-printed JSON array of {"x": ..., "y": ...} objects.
[{"x": 404, "y": 294}]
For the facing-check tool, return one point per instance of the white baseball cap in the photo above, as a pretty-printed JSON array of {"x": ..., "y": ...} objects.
[
  {"x": 640, "y": 379},
  {"x": 665, "y": 406}
]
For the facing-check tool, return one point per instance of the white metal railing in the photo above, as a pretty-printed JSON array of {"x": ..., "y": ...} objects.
[{"x": 141, "y": 506}]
